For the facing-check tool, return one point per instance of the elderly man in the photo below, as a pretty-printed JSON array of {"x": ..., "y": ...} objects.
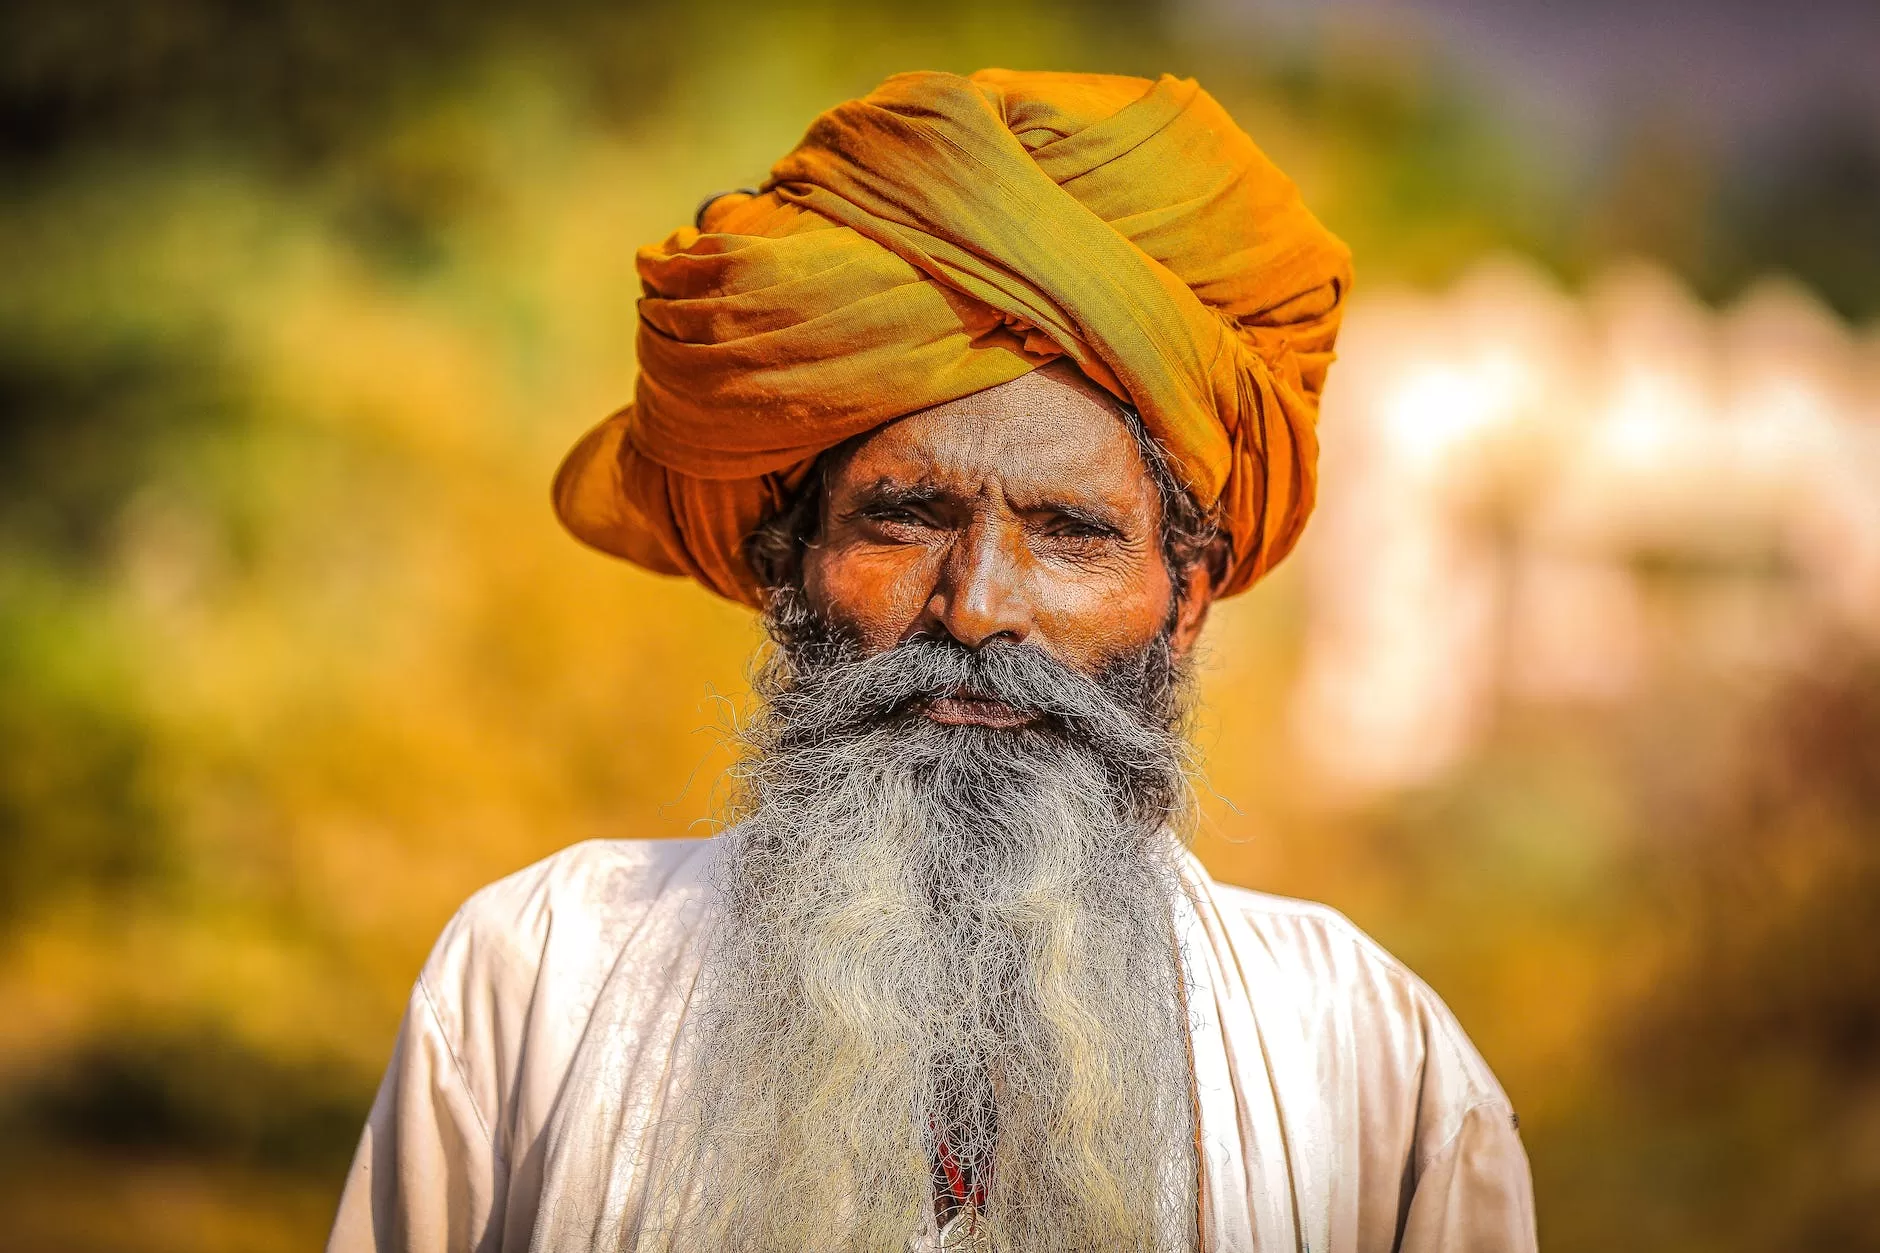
[{"x": 982, "y": 399}]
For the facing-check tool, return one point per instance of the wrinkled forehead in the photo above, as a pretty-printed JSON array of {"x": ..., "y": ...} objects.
[{"x": 1051, "y": 435}]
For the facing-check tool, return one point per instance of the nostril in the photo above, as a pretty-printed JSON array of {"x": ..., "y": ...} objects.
[{"x": 977, "y": 635}]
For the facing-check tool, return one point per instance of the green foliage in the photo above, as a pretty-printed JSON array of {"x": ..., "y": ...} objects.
[{"x": 196, "y": 1093}]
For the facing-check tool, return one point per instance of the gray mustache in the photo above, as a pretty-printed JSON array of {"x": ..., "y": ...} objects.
[
  {"x": 1128, "y": 718},
  {"x": 1019, "y": 675},
  {"x": 861, "y": 693}
]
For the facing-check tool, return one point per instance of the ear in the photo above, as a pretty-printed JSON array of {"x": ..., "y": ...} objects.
[{"x": 1191, "y": 611}]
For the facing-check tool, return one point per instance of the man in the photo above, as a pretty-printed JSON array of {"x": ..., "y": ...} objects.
[{"x": 982, "y": 400}]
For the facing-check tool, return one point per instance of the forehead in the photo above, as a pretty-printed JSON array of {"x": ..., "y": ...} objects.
[{"x": 1050, "y": 434}]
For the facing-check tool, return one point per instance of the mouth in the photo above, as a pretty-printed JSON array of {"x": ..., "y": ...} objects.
[{"x": 969, "y": 709}]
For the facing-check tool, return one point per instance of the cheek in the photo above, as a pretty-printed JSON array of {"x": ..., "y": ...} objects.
[
  {"x": 1090, "y": 621},
  {"x": 876, "y": 594}
]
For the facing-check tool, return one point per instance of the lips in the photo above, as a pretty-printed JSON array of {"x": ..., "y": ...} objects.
[{"x": 969, "y": 709}]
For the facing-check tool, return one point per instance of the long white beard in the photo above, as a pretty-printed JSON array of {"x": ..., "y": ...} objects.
[{"x": 942, "y": 932}]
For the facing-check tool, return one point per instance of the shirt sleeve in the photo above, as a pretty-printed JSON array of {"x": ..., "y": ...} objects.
[
  {"x": 424, "y": 1178},
  {"x": 1474, "y": 1194}
]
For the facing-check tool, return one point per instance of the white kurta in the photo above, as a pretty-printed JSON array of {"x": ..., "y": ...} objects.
[{"x": 1341, "y": 1108}]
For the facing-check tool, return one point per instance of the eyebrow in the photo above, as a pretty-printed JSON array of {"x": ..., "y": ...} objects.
[{"x": 888, "y": 492}]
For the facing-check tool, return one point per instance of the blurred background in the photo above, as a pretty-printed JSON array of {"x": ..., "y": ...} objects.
[{"x": 1571, "y": 696}]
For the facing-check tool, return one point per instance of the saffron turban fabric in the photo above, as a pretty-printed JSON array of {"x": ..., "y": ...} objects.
[{"x": 943, "y": 235}]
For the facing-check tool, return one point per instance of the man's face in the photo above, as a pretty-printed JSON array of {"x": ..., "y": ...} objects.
[{"x": 1022, "y": 514}]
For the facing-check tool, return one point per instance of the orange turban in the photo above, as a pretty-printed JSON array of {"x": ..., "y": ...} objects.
[{"x": 943, "y": 235}]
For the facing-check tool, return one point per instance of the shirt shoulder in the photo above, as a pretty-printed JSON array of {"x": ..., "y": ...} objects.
[
  {"x": 1388, "y": 1047},
  {"x": 599, "y": 889},
  {"x": 515, "y": 975}
]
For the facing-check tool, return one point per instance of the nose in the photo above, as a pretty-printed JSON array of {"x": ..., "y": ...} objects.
[{"x": 981, "y": 594}]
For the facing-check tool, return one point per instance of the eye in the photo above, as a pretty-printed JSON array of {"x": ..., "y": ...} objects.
[
  {"x": 897, "y": 522},
  {"x": 894, "y": 515},
  {"x": 1079, "y": 529}
]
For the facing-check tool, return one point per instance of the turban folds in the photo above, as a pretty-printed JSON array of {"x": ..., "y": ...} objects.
[{"x": 943, "y": 235}]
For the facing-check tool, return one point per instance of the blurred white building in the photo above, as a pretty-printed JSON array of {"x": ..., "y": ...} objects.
[{"x": 1535, "y": 497}]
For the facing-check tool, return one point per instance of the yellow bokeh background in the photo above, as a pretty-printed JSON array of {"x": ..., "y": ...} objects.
[{"x": 300, "y": 315}]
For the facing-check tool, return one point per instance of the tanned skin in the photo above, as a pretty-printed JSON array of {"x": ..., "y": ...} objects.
[{"x": 1024, "y": 513}]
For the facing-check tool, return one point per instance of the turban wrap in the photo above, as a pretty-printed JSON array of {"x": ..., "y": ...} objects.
[{"x": 943, "y": 235}]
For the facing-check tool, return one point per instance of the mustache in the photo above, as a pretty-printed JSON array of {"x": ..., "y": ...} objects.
[{"x": 1129, "y": 708}]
